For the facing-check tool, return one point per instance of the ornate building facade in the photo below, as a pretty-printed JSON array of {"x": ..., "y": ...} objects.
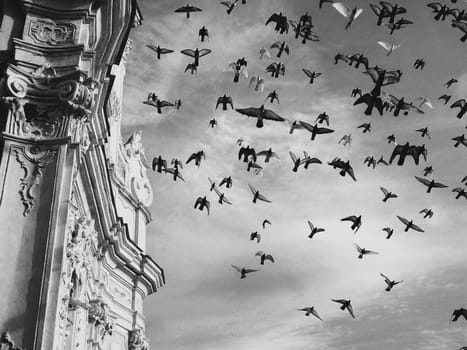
[{"x": 73, "y": 196}]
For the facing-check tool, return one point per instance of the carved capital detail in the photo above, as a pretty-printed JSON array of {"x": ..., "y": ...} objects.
[
  {"x": 98, "y": 317},
  {"x": 6, "y": 343},
  {"x": 49, "y": 32},
  {"x": 136, "y": 340},
  {"x": 32, "y": 160}
]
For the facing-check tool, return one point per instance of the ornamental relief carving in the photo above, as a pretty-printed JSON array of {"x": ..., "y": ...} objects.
[
  {"x": 32, "y": 159},
  {"x": 136, "y": 340},
  {"x": 49, "y": 32},
  {"x": 131, "y": 169},
  {"x": 6, "y": 343}
]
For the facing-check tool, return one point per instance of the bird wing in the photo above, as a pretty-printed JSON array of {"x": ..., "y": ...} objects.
[
  {"x": 250, "y": 270},
  {"x": 351, "y": 173},
  {"x": 436, "y": 6},
  {"x": 375, "y": 9},
  {"x": 270, "y": 115},
  {"x": 307, "y": 72},
  {"x": 211, "y": 181},
  {"x": 386, "y": 278},
  {"x": 459, "y": 103},
  {"x": 340, "y": 301},
  {"x": 237, "y": 268},
  {"x": 323, "y": 130},
  {"x": 358, "y": 13},
  {"x": 274, "y": 18},
  {"x": 307, "y": 126},
  {"x": 188, "y": 52},
  {"x": 250, "y": 112},
  {"x": 226, "y": 200},
  {"x": 343, "y": 9},
  {"x": 403, "y": 220},
  {"x": 259, "y": 253},
  {"x": 204, "y": 52},
  {"x": 385, "y": 191},
  {"x": 359, "y": 249},
  {"x": 311, "y": 225},
  {"x": 314, "y": 313},
  {"x": 217, "y": 191},
  {"x": 293, "y": 156},
  {"x": 164, "y": 51},
  {"x": 423, "y": 181},
  {"x": 263, "y": 198},
  {"x": 192, "y": 157},
  {"x": 439, "y": 185},
  {"x": 166, "y": 104},
  {"x": 350, "y": 309},
  {"x": 252, "y": 189},
  {"x": 385, "y": 45},
  {"x": 276, "y": 45},
  {"x": 349, "y": 218},
  {"x": 416, "y": 228},
  {"x": 270, "y": 258}
]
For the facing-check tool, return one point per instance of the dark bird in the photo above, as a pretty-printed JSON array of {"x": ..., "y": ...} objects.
[
  {"x": 276, "y": 69},
  {"x": 428, "y": 213},
  {"x": 458, "y": 15},
  {"x": 264, "y": 257},
  {"x": 273, "y": 96},
  {"x": 307, "y": 160},
  {"x": 159, "y": 164},
  {"x": 460, "y": 140},
  {"x": 247, "y": 153},
  {"x": 346, "y": 140},
  {"x": 387, "y": 194},
  {"x": 311, "y": 311},
  {"x": 224, "y": 101},
  {"x": 260, "y": 114},
  {"x": 356, "y": 92},
  {"x": 196, "y": 54},
  {"x": 345, "y": 305},
  {"x": 390, "y": 284},
  {"x": 294, "y": 125},
  {"x": 464, "y": 179},
  {"x": 322, "y": 118},
  {"x": 462, "y": 26},
  {"x": 212, "y": 183},
  {"x": 460, "y": 192},
  {"x": 356, "y": 222},
  {"x": 197, "y": 157},
  {"x": 391, "y": 138},
  {"x": 462, "y": 104},
  {"x": 222, "y": 197},
  {"x": 409, "y": 224},
  {"x": 458, "y": 313},
  {"x": 389, "y": 232},
  {"x": 203, "y": 33},
  {"x": 243, "y": 271},
  {"x": 345, "y": 167},
  {"x": 366, "y": 127},
  {"x": 265, "y": 221},
  {"x": 392, "y": 10},
  {"x": 441, "y": 10},
  {"x": 315, "y": 130},
  {"x": 159, "y": 50},
  {"x": 237, "y": 68},
  {"x": 281, "y": 22},
  {"x": 314, "y": 229},
  {"x": 380, "y": 12},
  {"x": 424, "y": 132},
  {"x": 188, "y": 9},
  {"x": 403, "y": 151},
  {"x": 176, "y": 163},
  {"x": 340, "y": 57},
  {"x": 311, "y": 75},
  {"x": 257, "y": 195},
  {"x": 358, "y": 59},
  {"x": 281, "y": 48},
  {"x": 450, "y": 82},
  {"x": 402, "y": 105},
  {"x": 202, "y": 203},
  {"x": 268, "y": 154},
  {"x": 382, "y": 161},
  {"x": 178, "y": 103},
  {"x": 370, "y": 161},
  {"x": 253, "y": 165},
  {"x": 227, "y": 181},
  {"x": 159, "y": 104},
  {"x": 175, "y": 173},
  {"x": 428, "y": 171},
  {"x": 230, "y": 5},
  {"x": 306, "y": 33},
  {"x": 296, "y": 161},
  {"x": 193, "y": 68},
  {"x": 419, "y": 63},
  {"x": 399, "y": 24},
  {"x": 362, "y": 251},
  {"x": 430, "y": 184},
  {"x": 445, "y": 98},
  {"x": 213, "y": 123},
  {"x": 255, "y": 235}
]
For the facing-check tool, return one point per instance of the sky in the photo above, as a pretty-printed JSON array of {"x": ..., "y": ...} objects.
[{"x": 204, "y": 304}]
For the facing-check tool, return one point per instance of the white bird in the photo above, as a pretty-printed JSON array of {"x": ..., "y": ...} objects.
[
  {"x": 257, "y": 83},
  {"x": 423, "y": 101},
  {"x": 264, "y": 52},
  {"x": 350, "y": 13},
  {"x": 390, "y": 48}
]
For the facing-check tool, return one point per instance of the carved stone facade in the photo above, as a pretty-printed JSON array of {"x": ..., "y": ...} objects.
[{"x": 74, "y": 197}]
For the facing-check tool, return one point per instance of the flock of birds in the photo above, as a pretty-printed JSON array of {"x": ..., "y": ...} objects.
[{"x": 375, "y": 100}]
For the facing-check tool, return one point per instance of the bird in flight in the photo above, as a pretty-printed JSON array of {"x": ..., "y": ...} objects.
[
  {"x": 363, "y": 251},
  {"x": 255, "y": 235},
  {"x": 390, "y": 284},
  {"x": 264, "y": 257},
  {"x": 311, "y": 311},
  {"x": 201, "y": 203},
  {"x": 314, "y": 229},
  {"x": 428, "y": 213},
  {"x": 409, "y": 224},
  {"x": 389, "y": 232},
  {"x": 356, "y": 222},
  {"x": 430, "y": 184},
  {"x": 345, "y": 304},
  {"x": 457, "y": 313},
  {"x": 257, "y": 195},
  {"x": 266, "y": 221},
  {"x": 243, "y": 271},
  {"x": 260, "y": 114},
  {"x": 350, "y": 13},
  {"x": 188, "y": 9}
]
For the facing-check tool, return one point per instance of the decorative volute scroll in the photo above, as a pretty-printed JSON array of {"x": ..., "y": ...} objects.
[
  {"x": 136, "y": 340},
  {"x": 131, "y": 169},
  {"x": 99, "y": 319},
  {"x": 6, "y": 343},
  {"x": 46, "y": 31}
]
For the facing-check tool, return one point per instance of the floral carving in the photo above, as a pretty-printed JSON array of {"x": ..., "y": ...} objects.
[
  {"x": 49, "y": 32},
  {"x": 114, "y": 104},
  {"x": 98, "y": 316},
  {"x": 6, "y": 343},
  {"x": 136, "y": 340},
  {"x": 39, "y": 158}
]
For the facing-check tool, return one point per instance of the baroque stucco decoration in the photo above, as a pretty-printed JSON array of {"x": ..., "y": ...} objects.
[
  {"x": 49, "y": 32},
  {"x": 136, "y": 340},
  {"x": 6, "y": 343}
]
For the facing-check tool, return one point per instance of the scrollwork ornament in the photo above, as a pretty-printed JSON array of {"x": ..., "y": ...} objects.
[
  {"x": 136, "y": 340},
  {"x": 48, "y": 32},
  {"x": 6, "y": 342}
]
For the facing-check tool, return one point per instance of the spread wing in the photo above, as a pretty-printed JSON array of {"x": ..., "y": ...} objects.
[
  {"x": 188, "y": 52},
  {"x": 263, "y": 198},
  {"x": 276, "y": 45},
  {"x": 274, "y": 18},
  {"x": 165, "y": 104},
  {"x": 307, "y": 72},
  {"x": 350, "y": 309},
  {"x": 343, "y": 9},
  {"x": 403, "y": 220},
  {"x": 423, "y": 181},
  {"x": 385, "y": 278},
  {"x": 237, "y": 268},
  {"x": 459, "y": 103},
  {"x": 164, "y": 51},
  {"x": 268, "y": 114},
  {"x": 293, "y": 156},
  {"x": 250, "y": 112},
  {"x": 436, "y": 6},
  {"x": 204, "y": 52},
  {"x": 385, "y": 191},
  {"x": 323, "y": 130},
  {"x": 252, "y": 189},
  {"x": 385, "y": 45},
  {"x": 416, "y": 228},
  {"x": 250, "y": 270},
  {"x": 439, "y": 185}
]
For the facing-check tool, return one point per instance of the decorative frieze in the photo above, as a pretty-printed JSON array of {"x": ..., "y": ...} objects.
[{"x": 46, "y": 31}]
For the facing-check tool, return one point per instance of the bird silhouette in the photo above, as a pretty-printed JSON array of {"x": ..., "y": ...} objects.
[
  {"x": 460, "y": 140},
  {"x": 159, "y": 164},
  {"x": 224, "y": 101},
  {"x": 350, "y": 13},
  {"x": 188, "y": 9},
  {"x": 311, "y": 75},
  {"x": 257, "y": 195},
  {"x": 247, "y": 153},
  {"x": 203, "y": 33},
  {"x": 159, "y": 50},
  {"x": 462, "y": 105},
  {"x": 387, "y": 194},
  {"x": 264, "y": 257},
  {"x": 389, "y": 284},
  {"x": 227, "y": 181},
  {"x": 311, "y": 311},
  {"x": 460, "y": 192},
  {"x": 201, "y": 203},
  {"x": 197, "y": 157},
  {"x": 281, "y": 48},
  {"x": 265, "y": 221},
  {"x": 430, "y": 184},
  {"x": 428, "y": 213},
  {"x": 363, "y": 251},
  {"x": 315, "y": 130},
  {"x": 260, "y": 114},
  {"x": 230, "y": 5},
  {"x": 268, "y": 154},
  {"x": 314, "y": 229},
  {"x": 281, "y": 22},
  {"x": 389, "y": 232},
  {"x": 403, "y": 151},
  {"x": 255, "y": 235},
  {"x": 409, "y": 224},
  {"x": 243, "y": 271},
  {"x": 389, "y": 47},
  {"x": 196, "y": 54},
  {"x": 457, "y": 313},
  {"x": 222, "y": 197},
  {"x": 345, "y": 167},
  {"x": 356, "y": 222},
  {"x": 345, "y": 304}
]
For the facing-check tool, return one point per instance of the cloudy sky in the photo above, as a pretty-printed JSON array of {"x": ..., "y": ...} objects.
[{"x": 204, "y": 304}]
